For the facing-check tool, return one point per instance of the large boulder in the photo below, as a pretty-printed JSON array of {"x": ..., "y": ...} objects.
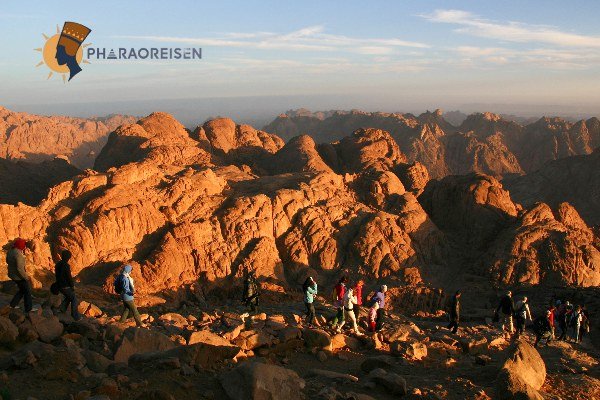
[
  {"x": 135, "y": 341},
  {"x": 522, "y": 374},
  {"x": 251, "y": 381},
  {"x": 316, "y": 338},
  {"x": 8, "y": 332},
  {"x": 47, "y": 326}
]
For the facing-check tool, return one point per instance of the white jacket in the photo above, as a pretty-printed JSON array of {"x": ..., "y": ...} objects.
[{"x": 349, "y": 300}]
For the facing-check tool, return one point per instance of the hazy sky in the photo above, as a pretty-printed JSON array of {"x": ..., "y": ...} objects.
[{"x": 383, "y": 54}]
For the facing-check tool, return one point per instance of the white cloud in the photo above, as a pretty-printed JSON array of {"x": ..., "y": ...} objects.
[
  {"x": 511, "y": 31},
  {"x": 576, "y": 58},
  {"x": 311, "y": 38}
]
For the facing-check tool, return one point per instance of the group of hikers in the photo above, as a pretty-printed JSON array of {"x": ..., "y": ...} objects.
[
  {"x": 348, "y": 302},
  {"x": 572, "y": 321},
  {"x": 64, "y": 284},
  {"x": 347, "y": 299}
]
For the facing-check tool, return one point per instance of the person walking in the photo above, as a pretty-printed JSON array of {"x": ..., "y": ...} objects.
[
  {"x": 66, "y": 285},
  {"x": 522, "y": 314},
  {"x": 310, "y": 290},
  {"x": 585, "y": 323},
  {"x": 507, "y": 308},
  {"x": 379, "y": 298},
  {"x": 454, "y": 312},
  {"x": 338, "y": 300},
  {"x": 562, "y": 319},
  {"x": 251, "y": 292},
  {"x": 551, "y": 314},
  {"x": 543, "y": 328},
  {"x": 125, "y": 287},
  {"x": 350, "y": 302},
  {"x": 15, "y": 260},
  {"x": 575, "y": 323},
  {"x": 373, "y": 316},
  {"x": 358, "y": 289}
]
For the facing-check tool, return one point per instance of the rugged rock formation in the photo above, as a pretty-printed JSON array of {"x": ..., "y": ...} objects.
[
  {"x": 206, "y": 206},
  {"x": 484, "y": 142},
  {"x": 535, "y": 245},
  {"x": 29, "y": 183},
  {"x": 572, "y": 179},
  {"x": 37, "y": 138}
]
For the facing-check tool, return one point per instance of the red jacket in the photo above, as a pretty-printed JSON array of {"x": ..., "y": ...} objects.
[
  {"x": 358, "y": 294},
  {"x": 340, "y": 291}
]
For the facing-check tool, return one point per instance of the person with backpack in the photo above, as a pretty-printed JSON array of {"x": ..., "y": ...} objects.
[
  {"x": 66, "y": 285},
  {"x": 454, "y": 312},
  {"x": 309, "y": 288},
  {"x": 543, "y": 328},
  {"x": 349, "y": 304},
  {"x": 338, "y": 300},
  {"x": 575, "y": 323},
  {"x": 379, "y": 298},
  {"x": 507, "y": 308},
  {"x": 522, "y": 314},
  {"x": 15, "y": 260},
  {"x": 251, "y": 292},
  {"x": 125, "y": 288}
]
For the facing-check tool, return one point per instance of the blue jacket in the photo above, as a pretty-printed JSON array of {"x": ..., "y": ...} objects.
[
  {"x": 309, "y": 294},
  {"x": 123, "y": 280}
]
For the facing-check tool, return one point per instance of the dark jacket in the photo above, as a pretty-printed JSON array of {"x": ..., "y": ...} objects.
[
  {"x": 250, "y": 288},
  {"x": 455, "y": 308},
  {"x": 64, "y": 279},
  {"x": 15, "y": 259},
  {"x": 506, "y": 305}
]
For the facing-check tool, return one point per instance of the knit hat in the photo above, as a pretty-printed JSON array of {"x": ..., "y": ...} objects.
[{"x": 20, "y": 244}]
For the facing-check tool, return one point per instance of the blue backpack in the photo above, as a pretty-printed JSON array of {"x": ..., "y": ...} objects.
[{"x": 119, "y": 284}]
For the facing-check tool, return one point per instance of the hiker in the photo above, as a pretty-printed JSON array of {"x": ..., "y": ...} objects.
[
  {"x": 310, "y": 290},
  {"x": 454, "y": 312},
  {"x": 15, "y": 259},
  {"x": 66, "y": 285},
  {"x": 522, "y": 314},
  {"x": 507, "y": 307},
  {"x": 349, "y": 304},
  {"x": 542, "y": 328},
  {"x": 551, "y": 314},
  {"x": 379, "y": 298},
  {"x": 251, "y": 292},
  {"x": 575, "y": 323},
  {"x": 585, "y": 323},
  {"x": 373, "y": 316},
  {"x": 359, "y": 301},
  {"x": 125, "y": 287},
  {"x": 338, "y": 301},
  {"x": 561, "y": 314}
]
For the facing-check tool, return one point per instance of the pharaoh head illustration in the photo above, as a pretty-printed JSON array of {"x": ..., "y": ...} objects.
[{"x": 69, "y": 42}]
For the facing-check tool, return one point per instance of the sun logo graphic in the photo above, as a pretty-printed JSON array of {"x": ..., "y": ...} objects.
[{"x": 63, "y": 52}]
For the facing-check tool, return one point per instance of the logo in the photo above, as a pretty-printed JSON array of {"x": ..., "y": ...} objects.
[{"x": 63, "y": 52}]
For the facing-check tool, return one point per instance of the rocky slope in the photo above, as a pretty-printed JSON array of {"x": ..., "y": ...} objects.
[
  {"x": 484, "y": 142},
  {"x": 574, "y": 180},
  {"x": 214, "y": 351},
  {"x": 38, "y": 138},
  {"x": 28, "y": 182}
]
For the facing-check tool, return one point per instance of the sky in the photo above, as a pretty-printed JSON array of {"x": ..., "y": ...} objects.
[{"x": 263, "y": 57}]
